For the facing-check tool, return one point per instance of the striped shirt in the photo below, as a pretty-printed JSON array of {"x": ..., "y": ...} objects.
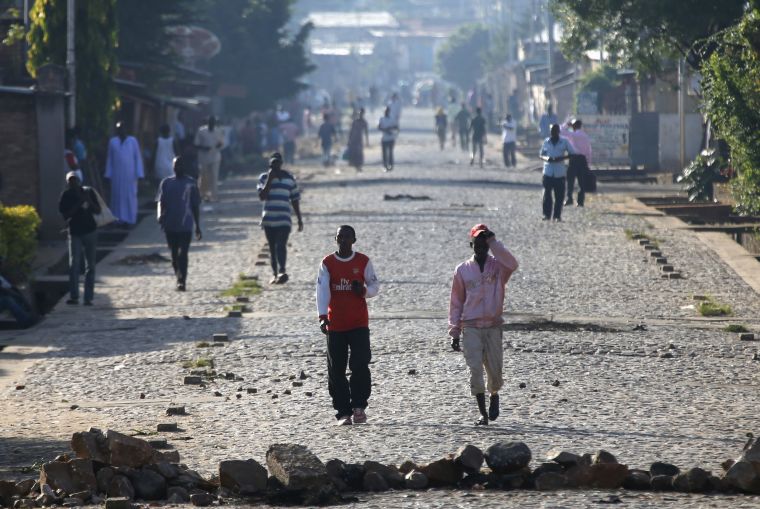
[{"x": 277, "y": 208}]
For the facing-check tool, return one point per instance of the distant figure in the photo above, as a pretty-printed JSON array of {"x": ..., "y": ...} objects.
[
  {"x": 451, "y": 114},
  {"x": 124, "y": 167},
  {"x": 441, "y": 123},
  {"x": 13, "y": 301},
  {"x": 579, "y": 164},
  {"x": 475, "y": 314},
  {"x": 358, "y": 136},
  {"x": 509, "y": 140},
  {"x": 209, "y": 141},
  {"x": 346, "y": 279},
  {"x": 327, "y": 136},
  {"x": 70, "y": 160},
  {"x": 395, "y": 105},
  {"x": 546, "y": 121},
  {"x": 178, "y": 211},
  {"x": 179, "y": 129},
  {"x": 289, "y": 131},
  {"x": 478, "y": 130},
  {"x": 165, "y": 153},
  {"x": 80, "y": 151},
  {"x": 389, "y": 128},
  {"x": 462, "y": 120},
  {"x": 553, "y": 152},
  {"x": 279, "y": 192},
  {"x": 77, "y": 206}
]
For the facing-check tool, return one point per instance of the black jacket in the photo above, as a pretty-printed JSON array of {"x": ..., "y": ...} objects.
[{"x": 77, "y": 215}]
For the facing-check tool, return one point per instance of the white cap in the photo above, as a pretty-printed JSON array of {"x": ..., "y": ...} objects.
[{"x": 74, "y": 173}]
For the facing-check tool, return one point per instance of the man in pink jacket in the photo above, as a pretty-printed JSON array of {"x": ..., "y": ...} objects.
[{"x": 477, "y": 303}]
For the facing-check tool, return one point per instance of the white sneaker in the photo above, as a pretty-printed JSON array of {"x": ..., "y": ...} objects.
[{"x": 344, "y": 421}]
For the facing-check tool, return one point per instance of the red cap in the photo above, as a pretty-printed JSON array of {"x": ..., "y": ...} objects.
[{"x": 477, "y": 230}]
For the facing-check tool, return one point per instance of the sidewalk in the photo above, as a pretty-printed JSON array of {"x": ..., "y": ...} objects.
[{"x": 616, "y": 390}]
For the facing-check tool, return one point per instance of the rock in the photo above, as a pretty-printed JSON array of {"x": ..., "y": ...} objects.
[
  {"x": 550, "y": 481},
  {"x": 71, "y": 477},
  {"x": 407, "y": 467},
  {"x": 717, "y": 484},
  {"x": 45, "y": 500},
  {"x": 7, "y": 491},
  {"x": 522, "y": 385},
  {"x": 353, "y": 474},
  {"x": 296, "y": 383},
  {"x": 743, "y": 476},
  {"x": 296, "y": 467},
  {"x": 442, "y": 472},
  {"x": 158, "y": 443},
  {"x": 126, "y": 451},
  {"x": 373, "y": 481},
  {"x": 104, "y": 477},
  {"x": 22, "y": 487},
  {"x": 747, "y": 337},
  {"x": 564, "y": 458},
  {"x": 608, "y": 476},
  {"x": 389, "y": 472},
  {"x": 120, "y": 487},
  {"x": 118, "y": 503},
  {"x": 507, "y": 457},
  {"x": 694, "y": 480},
  {"x": 90, "y": 445},
  {"x": 148, "y": 484},
  {"x": 660, "y": 468},
  {"x": 167, "y": 457},
  {"x": 84, "y": 496},
  {"x": 221, "y": 337},
  {"x": 177, "y": 495},
  {"x": 470, "y": 458},
  {"x": 603, "y": 456},
  {"x": 237, "y": 474},
  {"x": 167, "y": 426},
  {"x": 192, "y": 380},
  {"x": 579, "y": 475},
  {"x": 202, "y": 499},
  {"x": 514, "y": 481},
  {"x": 302, "y": 375},
  {"x": 72, "y": 502},
  {"x": 555, "y": 383},
  {"x": 415, "y": 480},
  {"x": 545, "y": 468},
  {"x": 727, "y": 464},
  {"x": 637, "y": 480},
  {"x": 661, "y": 483},
  {"x": 176, "y": 410},
  {"x": 26, "y": 503}
]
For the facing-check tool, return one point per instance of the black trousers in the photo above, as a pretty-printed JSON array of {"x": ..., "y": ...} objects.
[
  {"x": 349, "y": 394},
  {"x": 277, "y": 238},
  {"x": 509, "y": 154},
  {"x": 179, "y": 245},
  {"x": 575, "y": 170},
  {"x": 464, "y": 138},
  {"x": 387, "y": 147},
  {"x": 553, "y": 186}
]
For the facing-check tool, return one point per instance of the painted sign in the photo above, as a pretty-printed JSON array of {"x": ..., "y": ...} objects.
[{"x": 609, "y": 138}]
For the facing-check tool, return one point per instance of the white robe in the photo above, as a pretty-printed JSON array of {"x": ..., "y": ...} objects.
[{"x": 124, "y": 166}]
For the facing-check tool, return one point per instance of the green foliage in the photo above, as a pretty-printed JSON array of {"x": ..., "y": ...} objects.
[
  {"x": 95, "y": 44},
  {"x": 709, "y": 307},
  {"x": 732, "y": 102},
  {"x": 257, "y": 50},
  {"x": 460, "y": 59},
  {"x": 18, "y": 238},
  {"x": 602, "y": 81},
  {"x": 243, "y": 288},
  {"x": 200, "y": 362},
  {"x": 642, "y": 33},
  {"x": 699, "y": 175},
  {"x": 736, "y": 328}
]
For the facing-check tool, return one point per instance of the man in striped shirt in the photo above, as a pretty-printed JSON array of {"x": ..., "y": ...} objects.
[{"x": 278, "y": 190}]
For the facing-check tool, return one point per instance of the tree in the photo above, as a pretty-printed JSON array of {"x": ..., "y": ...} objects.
[
  {"x": 257, "y": 51},
  {"x": 643, "y": 33},
  {"x": 460, "y": 59},
  {"x": 95, "y": 44}
]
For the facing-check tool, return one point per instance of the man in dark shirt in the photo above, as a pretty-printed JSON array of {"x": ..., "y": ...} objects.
[
  {"x": 78, "y": 204},
  {"x": 178, "y": 210},
  {"x": 478, "y": 129},
  {"x": 326, "y": 135},
  {"x": 463, "y": 122}
]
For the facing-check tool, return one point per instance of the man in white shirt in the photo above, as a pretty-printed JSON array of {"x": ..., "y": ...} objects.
[
  {"x": 389, "y": 128},
  {"x": 509, "y": 140},
  {"x": 209, "y": 140},
  {"x": 553, "y": 152}
]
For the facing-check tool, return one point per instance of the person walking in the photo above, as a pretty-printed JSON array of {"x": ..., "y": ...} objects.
[
  {"x": 547, "y": 120},
  {"x": 441, "y": 123},
  {"x": 77, "y": 205},
  {"x": 579, "y": 163},
  {"x": 279, "y": 192},
  {"x": 509, "y": 141},
  {"x": 462, "y": 120},
  {"x": 478, "y": 130},
  {"x": 124, "y": 167},
  {"x": 179, "y": 203},
  {"x": 554, "y": 150},
  {"x": 345, "y": 281},
  {"x": 165, "y": 153},
  {"x": 389, "y": 128},
  {"x": 327, "y": 136},
  {"x": 451, "y": 113},
  {"x": 357, "y": 136},
  {"x": 209, "y": 140},
  {"x": 475, "y": 309}
]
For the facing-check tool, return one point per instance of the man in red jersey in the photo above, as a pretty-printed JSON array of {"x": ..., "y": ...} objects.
[{"x": 346, "y": 279}]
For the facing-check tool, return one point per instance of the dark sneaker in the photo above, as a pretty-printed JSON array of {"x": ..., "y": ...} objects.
[
  {"x": 359, "y": 416},
  {"x": 344, "y": 421},
  {"x": 180, "y": 287},
  {"x": 282, "y": 278},
  {"x": 568, "y": 202},
  {"x": 88, "y": 303},
  {"x": 546, "y": 218},
  {"x": 493, "y": 407},
  {"x": 72, "y": 302},
  {"x": 483, "y": 421}
]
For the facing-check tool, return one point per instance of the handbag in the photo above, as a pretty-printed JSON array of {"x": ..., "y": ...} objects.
[
  {"x": 588, "y": 181},
  {"x": 106, "y": 216}
]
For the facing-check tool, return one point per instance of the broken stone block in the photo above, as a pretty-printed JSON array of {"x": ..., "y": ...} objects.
[
  {"x": 390, "y": 473},
  {"x": 296, "y": 467},
  {"x": 237, "y": 475},
  {"x": 176, "y": 410},
  {"x": 148, "y": 485},
  {"x": 655, "y": 254},
  {"x": 373, "y": 481},
  {"x": 666, "y": 268},
  {"x": 694, "y": 480},
  {"x": 70, "y": 477},
  {"x": 22, "y": 487},
  {"x": 120, "y": 487},
  {"x": 661, "y": 261},
  {"x": 126, "y": 451},
  {"x": 90, "y": 445},
  {"x": 166, "y": 426},
  {"x": 296, "y": 383},
  {"x": 192, "y": 380},
  {"x": 158, "y": 443},
  {"x": 242, "y": 298},
  {"x": 550, "y": 481},
  {"x": 442, "y": 472},
  {"x": 507, "y": 457},
  {"x": 415, "y": 480},
  {"x": 564, "y": 458},
  {"x": 661, "y": 482},
  {"x": 743, "y": 476},
  {"x": 220, "y": 337},
  {"x": 202, "y": 499},
  {"x": 637, "y": 480},
  {"x": 747, "y": 337},
  {"x": 7, "y": 491},
  {"x": 234, "y": 314},
  {"x": 643, "y": 242},
  {"x": 469, "y": 457},
  {"x": 118, "y": 503},
  {"x": 608, "y": 476},
  {"x": 674, "y": 275},
  {"x": 650, "y": 247}
]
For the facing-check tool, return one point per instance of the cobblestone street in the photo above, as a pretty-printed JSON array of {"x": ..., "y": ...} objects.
[{"x": 682, "y": 390}]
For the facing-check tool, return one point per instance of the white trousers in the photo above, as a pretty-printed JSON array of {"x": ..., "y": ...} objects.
[{"x": 483, "y": 349}]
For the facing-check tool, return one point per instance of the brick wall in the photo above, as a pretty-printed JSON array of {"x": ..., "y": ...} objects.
[{"x": 19, "y": 175}]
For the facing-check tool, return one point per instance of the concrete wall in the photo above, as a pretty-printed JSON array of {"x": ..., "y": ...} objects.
[
  {"x": 19, "y": 179},
  {"x": 669, "y": 145}
]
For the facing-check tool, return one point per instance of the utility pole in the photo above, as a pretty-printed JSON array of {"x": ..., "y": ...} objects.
[
  {"x": 71, "y": 61},
  {"x": 681, "y": 111}
]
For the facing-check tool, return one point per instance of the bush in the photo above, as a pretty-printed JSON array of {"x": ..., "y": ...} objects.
[
  {"x": 698, "y": 177},
  {"x": 18, "y": 239}
]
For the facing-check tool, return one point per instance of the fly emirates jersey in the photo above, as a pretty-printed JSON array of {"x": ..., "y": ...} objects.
[{"x": 335, "y": 300}]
